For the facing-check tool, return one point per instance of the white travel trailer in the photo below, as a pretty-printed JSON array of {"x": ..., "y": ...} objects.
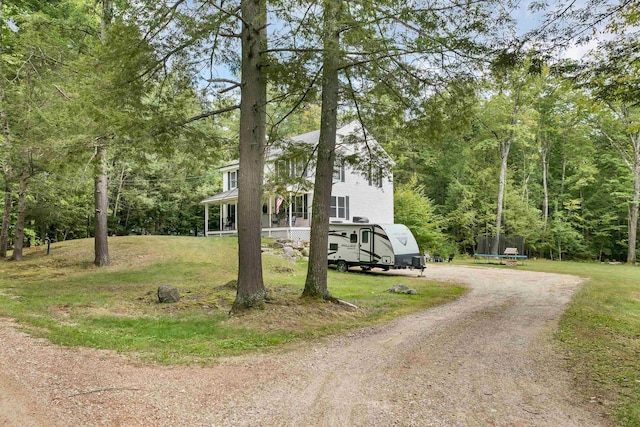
[{"x": 372, "y": 245}]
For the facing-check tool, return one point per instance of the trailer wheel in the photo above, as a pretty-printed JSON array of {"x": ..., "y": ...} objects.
[{"x": 342, "y": 266}]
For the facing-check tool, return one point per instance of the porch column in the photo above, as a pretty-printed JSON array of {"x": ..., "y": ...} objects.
[
  {"x": 290, "y": 208},
  {"x": 221, "y": 217},
  {"x": 270, "y": 209},
  {"x": 206, "y": 219},
  {"x": 235, "y": 217}
]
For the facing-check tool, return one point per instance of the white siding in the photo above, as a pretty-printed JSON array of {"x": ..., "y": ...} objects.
[{"x": 364, "y": 199}]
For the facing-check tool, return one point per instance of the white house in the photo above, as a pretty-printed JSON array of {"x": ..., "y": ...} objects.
[{"x": 362, "y": 186}]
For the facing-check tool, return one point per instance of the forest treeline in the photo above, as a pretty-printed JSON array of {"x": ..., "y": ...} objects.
[{"x": 134, "y": 104}]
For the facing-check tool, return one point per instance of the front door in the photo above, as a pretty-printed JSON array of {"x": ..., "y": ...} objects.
[{"x": 365, "y": 251}]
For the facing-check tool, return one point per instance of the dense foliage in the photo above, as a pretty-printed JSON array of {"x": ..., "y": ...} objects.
[{"x": 567, "y": 188}]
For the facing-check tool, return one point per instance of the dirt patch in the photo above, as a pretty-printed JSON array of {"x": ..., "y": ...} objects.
[{"x": 485, "y": 359}]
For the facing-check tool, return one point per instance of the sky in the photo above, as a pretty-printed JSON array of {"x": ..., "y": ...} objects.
[{"x": 527, "y": 21}]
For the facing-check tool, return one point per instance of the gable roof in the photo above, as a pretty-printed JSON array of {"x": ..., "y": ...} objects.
[
  {"x": 312, "y": 138},
  {"x": 353, "y": 128}
]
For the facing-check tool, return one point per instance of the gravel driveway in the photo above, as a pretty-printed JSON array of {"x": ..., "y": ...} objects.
[{"x": 486, "y": 359}]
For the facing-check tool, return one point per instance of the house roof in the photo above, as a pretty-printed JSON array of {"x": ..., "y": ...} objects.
[
  {"x": 225, "y": 196},
  {"x": 312, "y": 138},
  {"x": 352, "y": 128}
]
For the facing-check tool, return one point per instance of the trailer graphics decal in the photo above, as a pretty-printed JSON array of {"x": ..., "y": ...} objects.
[
  {"x": 374, "y": 255},
  {"x": 402, "y": 238}
]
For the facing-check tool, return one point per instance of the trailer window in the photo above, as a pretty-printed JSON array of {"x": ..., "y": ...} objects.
[
  {"x": 333, "y": 246},
  {"x": 365, "y": 236},
  {"x": 354, "y": 238}
]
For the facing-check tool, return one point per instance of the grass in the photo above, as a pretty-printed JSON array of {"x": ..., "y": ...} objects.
[
  {"x": 64, "y": 298},
  {"x": 600, "y": 332}
]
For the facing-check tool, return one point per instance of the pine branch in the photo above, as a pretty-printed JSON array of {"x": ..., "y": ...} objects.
[
  {"x": 234, "y": 84},
  {"x": 196, "y": 118},
  {"x": 232, "y": 13},
  {"x": 165, "y": 22},
  {"x": 301, "y": 100}
]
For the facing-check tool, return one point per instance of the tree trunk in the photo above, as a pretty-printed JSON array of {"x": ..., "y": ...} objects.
[
  {"x": 6, "y": 219},
  {"x": 250, "y": 288},
  {"x": 4, "y": 122},
  {"x": 107, "y": 17},
  {"x": 119, "y": 193},
  {"x": 101, "y": 231},
  {"x": 316, "y": 282},
  {"x": 504, "y": 152},
  {"x": 526, "y": 177},
  {"x": 545, "y": 187},
  {"x": 559, "y": 249},
  {"x": 101, "y": 196},
  {"x": 18, "y": 243},
  {"x": 633, "y": 208}
]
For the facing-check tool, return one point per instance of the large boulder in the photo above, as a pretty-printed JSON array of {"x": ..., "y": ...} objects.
[
  {"x": 297, "y": 244},
  {"x": 289, "y": 254},
  {"x": 168, "y": 294},
  {"x": 402, "y": 289},
  {"x": 289, "y": 251}
]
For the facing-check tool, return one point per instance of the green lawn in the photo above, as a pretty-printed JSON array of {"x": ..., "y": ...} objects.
[
  {"x": 600, "y": 332},
  {"x": 67, "y": 300}
]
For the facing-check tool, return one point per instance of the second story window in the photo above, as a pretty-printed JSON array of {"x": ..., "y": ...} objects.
[
  {"x": 375, "y": 176},
  {"x": 283, "y": 168},
  {"x": 338, "y": 172},
  {"x": 299, "y": 168},
  {"x": 232, "y": 180},
  {"x": 291, "y": 168}
]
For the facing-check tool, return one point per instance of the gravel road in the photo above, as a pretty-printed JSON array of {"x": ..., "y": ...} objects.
[{"x": 487, "y": 359}]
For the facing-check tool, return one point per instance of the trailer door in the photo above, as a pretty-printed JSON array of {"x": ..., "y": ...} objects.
[{"x": 365, "y": 253}]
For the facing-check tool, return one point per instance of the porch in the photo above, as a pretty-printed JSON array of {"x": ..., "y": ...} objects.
[{"x": 284, "y": 219}]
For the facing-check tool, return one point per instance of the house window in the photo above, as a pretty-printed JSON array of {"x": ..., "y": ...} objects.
[
  {"x": 338, "y": 173},
  {"x": 299, "y": 168},
  {"x": 291, "y": 168},
  {"x": 375, "y": 176},
  {"x": 339, "y": 207},
  {"x": 232, "y": 180},
  {"x": 301, "y": 206},
  {"x": 283, "y": 169}
]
